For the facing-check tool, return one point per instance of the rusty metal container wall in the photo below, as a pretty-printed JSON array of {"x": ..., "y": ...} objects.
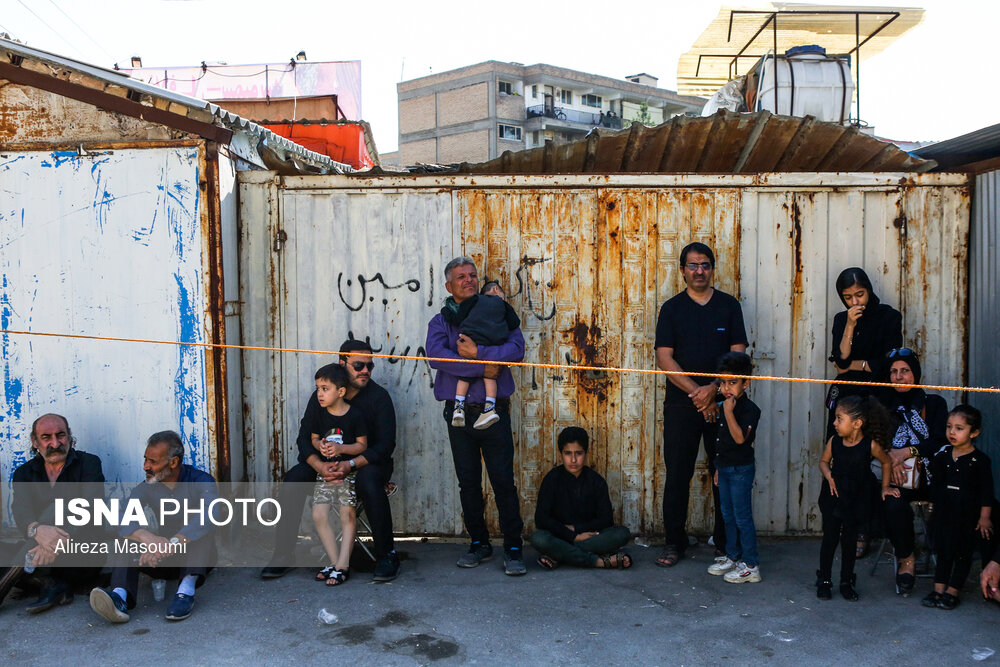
[
  {"x": 587, "y": 265},
  {"x": 107, "y": 244},
  {"x": 984, "y": 309}
]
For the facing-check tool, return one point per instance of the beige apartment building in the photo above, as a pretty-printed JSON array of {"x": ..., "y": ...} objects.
[{"x": 475, "y": 113}]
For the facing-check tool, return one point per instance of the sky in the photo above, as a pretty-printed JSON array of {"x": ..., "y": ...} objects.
[{"x": 931, "y": 84}]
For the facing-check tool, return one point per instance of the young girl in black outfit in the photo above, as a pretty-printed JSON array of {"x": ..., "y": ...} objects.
[
  {"x": 843, "y": 499},
  {"x": 962, "y": 493}
]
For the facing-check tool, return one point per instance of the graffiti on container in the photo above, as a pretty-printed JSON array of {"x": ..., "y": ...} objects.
[
  {"x": 413, "y": 364},
  {"x": 524, "y": 282},
  {"x": 413, "y": 285}
]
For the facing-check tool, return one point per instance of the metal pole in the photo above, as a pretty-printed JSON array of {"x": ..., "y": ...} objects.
[
  {"x": 774, "y": 59},
  {"x": 857, "y": 66}
]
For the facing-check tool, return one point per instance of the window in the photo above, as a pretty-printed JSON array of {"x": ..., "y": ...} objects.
[
  {"x": 505, "y": 88},
  {"x": 509, "y": 132},
  {"x": 534, "y": 138},
  {"x": 534, "y": 91},
  {"x": 592, "y": 101},
  {"x": 566, "y": 96}
]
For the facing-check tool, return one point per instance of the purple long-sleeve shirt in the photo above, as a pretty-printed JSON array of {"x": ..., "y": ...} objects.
[{"x": 442, "y": 342}]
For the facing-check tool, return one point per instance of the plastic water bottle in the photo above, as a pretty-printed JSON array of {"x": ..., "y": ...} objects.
[
  {"x": 159, "y": 589},
  {"x": 29, "y": 563},
  {"x": 325, "y": 617}
]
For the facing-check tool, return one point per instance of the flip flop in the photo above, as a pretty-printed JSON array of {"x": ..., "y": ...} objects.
[{"x": 669, "y": 557}]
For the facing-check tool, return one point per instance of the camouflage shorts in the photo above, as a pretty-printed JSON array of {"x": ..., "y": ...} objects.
[{"x": 339, "y": 494}]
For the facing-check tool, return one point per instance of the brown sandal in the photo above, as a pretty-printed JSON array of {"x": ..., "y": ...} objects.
[
  {"x": 547, "y": 563},
  {"x": 622, "y": 561}
]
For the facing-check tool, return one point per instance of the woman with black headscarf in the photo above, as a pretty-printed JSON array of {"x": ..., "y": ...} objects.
[
  {"x": 919, "y": 421},
  {"x": 862, "y": 336}
]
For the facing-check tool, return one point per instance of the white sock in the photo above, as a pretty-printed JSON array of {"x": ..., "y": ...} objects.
[
  {"x": 120, "y": 592},
  {"x": 490, "y": 401},
  {"x": 186, "y": 586},
  {"x": 460, "y": 398}
]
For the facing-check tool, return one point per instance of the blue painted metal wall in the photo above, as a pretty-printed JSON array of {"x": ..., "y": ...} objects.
[{"x": 106, "y": 244}]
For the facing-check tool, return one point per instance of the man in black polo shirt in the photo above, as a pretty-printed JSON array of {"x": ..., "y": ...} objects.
[
  {"x": 695, "y": 328},
  {"x": 374, "y": 468}
]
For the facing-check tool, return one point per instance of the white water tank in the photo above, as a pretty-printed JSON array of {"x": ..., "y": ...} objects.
[{"x": 809, "y": 83}]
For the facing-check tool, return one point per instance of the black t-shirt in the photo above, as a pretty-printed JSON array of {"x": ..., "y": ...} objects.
[
  {"x": 727, "y": 451},
  {"x": 699, "y": 335},
  {"x": 351, "y": 426}
]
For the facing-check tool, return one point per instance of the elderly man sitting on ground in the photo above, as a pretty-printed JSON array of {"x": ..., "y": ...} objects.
[
  {"x": 56, "y": 471},
  {"x": 175, "y": 545}
]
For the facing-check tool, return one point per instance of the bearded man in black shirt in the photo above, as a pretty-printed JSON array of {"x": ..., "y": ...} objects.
[{"x": 694, "y": 329}]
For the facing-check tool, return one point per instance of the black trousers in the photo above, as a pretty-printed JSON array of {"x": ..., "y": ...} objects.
[
  {"x": 196, "y": 559},
  {"x": 683, "y": 429},
  {"x": 838, "y": 531},
  {"x": 897, "y": 516},
  {"x": 493, "y": 446},
  {"x": 297, "y": 485}
]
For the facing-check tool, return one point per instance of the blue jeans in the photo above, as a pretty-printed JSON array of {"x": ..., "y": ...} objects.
[{"x": 736, "y": 499}]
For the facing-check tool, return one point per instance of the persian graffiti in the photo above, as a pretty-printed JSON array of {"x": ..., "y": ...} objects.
[
  {"x": 414, "y": 365},
  {"x": 413, "y": 285},
  {"x": 524, "y": 286}
]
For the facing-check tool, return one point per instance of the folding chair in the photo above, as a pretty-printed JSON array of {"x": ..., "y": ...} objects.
[{"x": 390, "y": 490}]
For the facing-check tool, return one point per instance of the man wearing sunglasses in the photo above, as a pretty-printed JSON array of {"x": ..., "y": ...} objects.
[
  {"x": 374, "y": 467},
  {"x": 695, "y": 328}
]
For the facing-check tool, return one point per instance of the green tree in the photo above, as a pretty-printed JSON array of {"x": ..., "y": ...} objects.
[{"x": 643, "y": 117}]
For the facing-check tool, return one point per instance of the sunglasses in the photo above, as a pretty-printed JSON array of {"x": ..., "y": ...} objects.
[
  {"x": 694, "y": 266},
  {"x": 901, "y": 352},
  {"x": 358, "y": 365}
]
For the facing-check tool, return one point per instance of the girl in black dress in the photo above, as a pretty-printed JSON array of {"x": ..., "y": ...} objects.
[
  {"x": 962, "y": 493},
  {"x": 843, "y": 499}
]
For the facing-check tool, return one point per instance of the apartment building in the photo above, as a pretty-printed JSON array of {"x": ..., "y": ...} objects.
[{"x": 475, "y": 113}]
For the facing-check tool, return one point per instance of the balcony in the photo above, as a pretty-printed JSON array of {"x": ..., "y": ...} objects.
[{"x": 600, "y": 119}]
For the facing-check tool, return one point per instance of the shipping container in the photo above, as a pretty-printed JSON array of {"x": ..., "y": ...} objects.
[{"x": 587, "y": 260}]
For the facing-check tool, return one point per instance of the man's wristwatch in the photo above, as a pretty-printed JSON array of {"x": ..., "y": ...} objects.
[
  {"x": 352, "y": 464},
  {"x": 175, "y": 540},
  {"x": 33, "y": 529}
]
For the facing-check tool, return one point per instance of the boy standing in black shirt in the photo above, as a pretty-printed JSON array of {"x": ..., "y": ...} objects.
[
  {"x": 694, "y": 329},
  {"x": 734, "y": 472},
  {"x": 338, "y": 434}
]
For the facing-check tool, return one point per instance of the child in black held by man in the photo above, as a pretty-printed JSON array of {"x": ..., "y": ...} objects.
[
  {"x": 734, "y": 472},
  {"x": 961, "y": 489},
  {"x": 338, "y": 434},
  {"x": 574, "y": 518},
  {"x": 487, "y": 319},
  {"x": 861, "y": 428}
]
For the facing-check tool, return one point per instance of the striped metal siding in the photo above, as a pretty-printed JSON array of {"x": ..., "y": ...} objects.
[{"x": 984, "y": 309}]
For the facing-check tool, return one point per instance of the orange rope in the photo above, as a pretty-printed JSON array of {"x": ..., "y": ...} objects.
[{"x": 524, "y": 364}]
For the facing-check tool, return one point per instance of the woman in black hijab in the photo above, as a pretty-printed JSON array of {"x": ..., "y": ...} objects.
[
  {"x": 919, "y": 421},
  {"x": 862, "y": 336}
]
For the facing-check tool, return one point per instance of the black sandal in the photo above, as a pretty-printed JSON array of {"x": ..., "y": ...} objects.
[
  {"x": 931, "y": 599},
  {"x": 547, "y": 563},
  {"x": 338, "y": 577},
  {"x": 325, "y": 573},
  {"x": 622, "y": 561},
  {"x": 669, "y": 557}
]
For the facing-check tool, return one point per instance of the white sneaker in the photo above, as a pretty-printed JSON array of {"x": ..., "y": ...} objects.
[
  {"x": 721, "y": 565},
  {"x": 458, "y": 416},
  {"x": 743, "y": 574}
]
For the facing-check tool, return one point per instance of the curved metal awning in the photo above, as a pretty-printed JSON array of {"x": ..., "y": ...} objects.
[{"x": 725, "y": 143}]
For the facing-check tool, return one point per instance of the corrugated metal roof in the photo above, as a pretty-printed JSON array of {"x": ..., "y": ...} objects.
[
  {"x": 736, "y": 27},
  {"x": 726, "y": 142},
  {"x": 982, "y": 144},
  {"x": 284, "y": 148}
]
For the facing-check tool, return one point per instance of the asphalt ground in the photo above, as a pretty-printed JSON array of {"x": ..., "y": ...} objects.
[{"x": 438, "y": 613}]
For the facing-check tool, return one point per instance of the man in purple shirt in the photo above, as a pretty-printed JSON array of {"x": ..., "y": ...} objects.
[{"x": 495, "y": 445}]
